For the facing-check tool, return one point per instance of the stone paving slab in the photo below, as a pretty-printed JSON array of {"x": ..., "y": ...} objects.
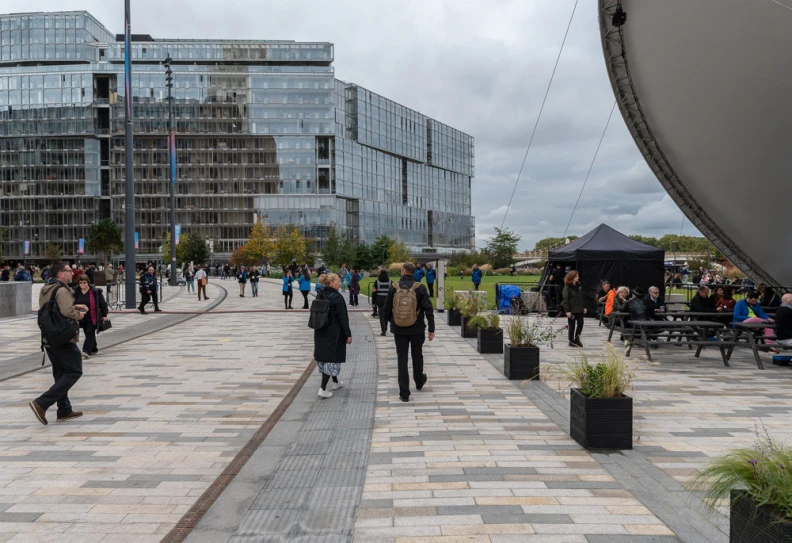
[
  {"x": 164, "y": 415},
  {"x": 471, "y": 458}
]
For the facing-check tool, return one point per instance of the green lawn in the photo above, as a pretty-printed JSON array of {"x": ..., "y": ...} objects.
[{"x": 455, "y": 283}]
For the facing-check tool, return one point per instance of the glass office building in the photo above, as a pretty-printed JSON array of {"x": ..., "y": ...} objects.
[{"x": 264, "y": 131}]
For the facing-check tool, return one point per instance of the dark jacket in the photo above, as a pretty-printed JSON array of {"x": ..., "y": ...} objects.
[
  {"x": 425, "y": 309},
  {"x": 783, "y": 318},
  {"x": 254, "y": 276},
  {"x": 148, "y": 283},
  {"x": 620, "y": 306},
  {"x": 91, "y": 318},
  {"x": 242, "y": 277},
  {"x": 476, "y": 276},
  {"x": 381, "y": 288},
  {"x": 330, "y": 341},
  {"x": 354, "y": 283},
  {"x": 572, "y": 300},
  {"x": 639, "y": 310},
  {"x": 702, "y": 305}
]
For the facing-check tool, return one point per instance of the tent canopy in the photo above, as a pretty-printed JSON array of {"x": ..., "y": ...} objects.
[{"x": 605, "y": 243}]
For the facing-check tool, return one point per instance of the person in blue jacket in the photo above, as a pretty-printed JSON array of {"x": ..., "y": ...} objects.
[
  {"x": 419, "y": 273},
  {"x": 476, "y": 276},
  {"x": 305, "y": 285},
  {"x": 288, "y": 293},
  {"x": 431, "y": 275},
  {"x": 749, "y": 310}
]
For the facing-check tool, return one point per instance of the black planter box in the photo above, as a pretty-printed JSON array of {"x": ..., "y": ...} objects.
[
  {"x": 454, "y": 317},
  {"x": 490, "y": 341},
  {"x": 751, "y": 524},
  {"x": 521, "y": 362},
  {"x": 601, "y": 423},
  {"x": 468, "y": 332}
]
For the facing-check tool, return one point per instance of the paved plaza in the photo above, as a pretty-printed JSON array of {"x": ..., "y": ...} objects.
[{"x": 202, "y": 424}]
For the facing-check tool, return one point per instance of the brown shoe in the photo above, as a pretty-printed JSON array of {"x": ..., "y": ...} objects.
[
  {"x": 72, "y": 415},
  {"x": 41, "y": 415}
]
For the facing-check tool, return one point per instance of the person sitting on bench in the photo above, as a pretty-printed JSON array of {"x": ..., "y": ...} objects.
[
  {"x": 784, "y": 321},
  {"x": 749, "y": 310}
]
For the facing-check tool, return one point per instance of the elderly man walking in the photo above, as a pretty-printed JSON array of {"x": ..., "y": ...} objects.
[{"x": 66, "y": 359}]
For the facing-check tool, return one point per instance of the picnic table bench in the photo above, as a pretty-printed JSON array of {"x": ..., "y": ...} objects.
[
  {"x": 748, "y": 331},
  {"x": 690, "y": 333}
]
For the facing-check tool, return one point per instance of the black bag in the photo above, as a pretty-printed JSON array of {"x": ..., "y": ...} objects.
[
  {"x": 56, "y": 330},
  {"x": 320, "y": 313},
  {"x": 104, "y": 326}
]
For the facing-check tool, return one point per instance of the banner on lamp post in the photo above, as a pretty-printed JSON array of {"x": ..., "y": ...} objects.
[
  {"x": 81, "y": 246},
  {"x": 137, "y": 240},
  {"x": 27, "y": 247},
  {"x": 178, "y": 233}
]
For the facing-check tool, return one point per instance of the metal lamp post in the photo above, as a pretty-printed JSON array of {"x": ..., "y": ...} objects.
[
  {"x": 129, "y": 209},
  {"x": 172, "y": 161}
]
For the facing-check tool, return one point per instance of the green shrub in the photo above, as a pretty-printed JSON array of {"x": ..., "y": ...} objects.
[{"x": 607, "y": 379}]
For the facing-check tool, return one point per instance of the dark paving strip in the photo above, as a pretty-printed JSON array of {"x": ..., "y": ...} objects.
[
  {"x": 682, "y": 511},
  {"x": 305, "y": 480},
  {"x": 10, "y": 368}
]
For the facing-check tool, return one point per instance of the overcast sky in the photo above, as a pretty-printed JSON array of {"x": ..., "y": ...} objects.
[{"x": 479, "y": 66}]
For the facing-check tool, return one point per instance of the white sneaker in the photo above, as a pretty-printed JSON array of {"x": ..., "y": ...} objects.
[
  {"x": 86, "y": 356},
  {"x": 339, "y": 384},
  {"x": 325, "y": 393}
]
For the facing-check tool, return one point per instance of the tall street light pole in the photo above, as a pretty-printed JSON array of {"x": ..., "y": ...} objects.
[
  {"x": 172, "y": 162},
  {"x": 129, "y": 209}
]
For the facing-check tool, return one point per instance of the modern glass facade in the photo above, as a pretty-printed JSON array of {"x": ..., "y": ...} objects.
[{"x": 264, "y": 131}]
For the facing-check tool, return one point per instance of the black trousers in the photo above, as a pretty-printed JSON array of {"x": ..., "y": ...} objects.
[
  {"x": 89, "y": 345},
  {"x": 287, "y": 298},
  {"x": 305, "y": 298},
  {"x": 144, "y": 300},
  {"x": 66, "y": 369},
  {"x": 414, "y": 344},
  {"x": 353, "y": 299},
  {"x": 383, "y": 321},
  {"x": 430, "y": 286},
  {"x": 575, "y": 326}
]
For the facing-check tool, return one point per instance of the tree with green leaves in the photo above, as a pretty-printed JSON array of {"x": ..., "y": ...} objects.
[
  {"x": 333, "y": 251},
  {"x": 52, "y": 253},
  {"x": 502, "y": 247},
  {"x": 259, "y": 245},
  {"x": 549, "y": 243},
  {"x": 399, "y": 253},
  {"x": 364, "y": 258},
  {"x": 289, "y": 243},
  {"x": 105, "y": 237},
  {"x": 3, "y": 240},
  {"x": 381, "y": 249},
  {"x": 193, "y": 248}
]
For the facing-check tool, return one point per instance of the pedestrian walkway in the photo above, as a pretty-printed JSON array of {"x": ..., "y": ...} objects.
[{"x": 211, "y": 430}]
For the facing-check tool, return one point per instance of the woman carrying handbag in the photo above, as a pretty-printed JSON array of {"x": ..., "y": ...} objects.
[{"x": 92, "y": 320}]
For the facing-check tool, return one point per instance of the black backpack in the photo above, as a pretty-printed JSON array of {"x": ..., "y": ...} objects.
[
  {"x": 56, "y": 330},
  {"x": 320, "y": 313}
]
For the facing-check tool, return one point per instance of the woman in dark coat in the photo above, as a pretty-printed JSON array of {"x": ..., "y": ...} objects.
[
  {"x": 574, "y": 306},
  {"x": 354, "y": 287},
  {"x": 330, "y": 342},
  {"x": 92, "y": 298}
]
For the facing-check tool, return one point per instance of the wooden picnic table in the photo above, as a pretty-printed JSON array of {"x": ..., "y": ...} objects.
[
  {"x": 694, "y": 333},
  {"x": 747, "y": 331}
]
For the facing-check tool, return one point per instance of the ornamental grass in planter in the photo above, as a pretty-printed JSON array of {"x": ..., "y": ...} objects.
[
  {"x": 758, "y": 483},
  {"x": 600, "y": 411},
  {"x": 521, "y": 353},
  {"x": 470, "y": 306},
  {"x": 451, "y": 304},
  {"x": 488, "y": 333}
]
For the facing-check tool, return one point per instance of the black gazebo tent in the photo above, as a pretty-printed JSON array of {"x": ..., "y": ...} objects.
[{"x": 605, "y": 253}]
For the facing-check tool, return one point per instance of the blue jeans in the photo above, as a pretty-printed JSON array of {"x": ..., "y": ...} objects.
[
  {"x": 254, "y": 288},
  {"x": 191, "y": 285}
]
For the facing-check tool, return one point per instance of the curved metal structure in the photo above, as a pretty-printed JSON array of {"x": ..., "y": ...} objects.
[{"x": 705, "y": 87}]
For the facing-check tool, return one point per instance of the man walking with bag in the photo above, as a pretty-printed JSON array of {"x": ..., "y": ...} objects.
[
  {"x": 65, "y": 357},
  {"x": 406, "y": 306},
  {"x": 201, "y": 277}
]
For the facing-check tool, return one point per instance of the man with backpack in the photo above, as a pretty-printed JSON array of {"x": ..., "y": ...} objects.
[
  {"x": 60, "y": 332},
  {"x": 406, "y": 306}
]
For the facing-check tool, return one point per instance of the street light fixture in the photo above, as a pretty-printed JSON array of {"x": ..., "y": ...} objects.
[{"x": 172, "y": 162}]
